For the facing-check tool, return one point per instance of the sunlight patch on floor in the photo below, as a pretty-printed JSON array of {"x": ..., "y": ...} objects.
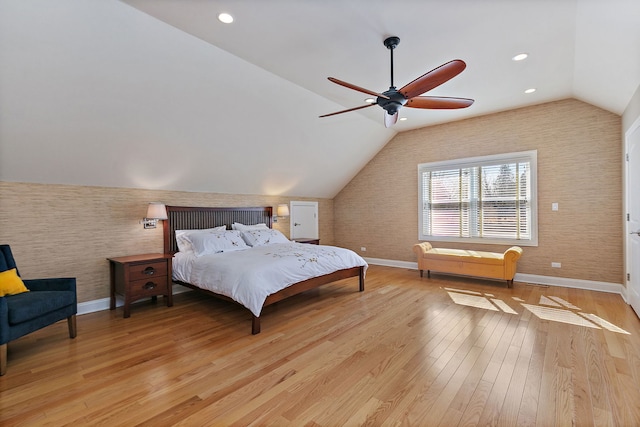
[
  {"x": 503, "y": 306},
  {"x": 472, "y": 301},
  {"x": 463, "y": 291},
  {"x": 546, "y": 301},
  {"x": 559, "y": 315},
  {"x": 600, "y": 321},
  {"x": 550, "y": 308},
  {"x": 564, "y": 303}
]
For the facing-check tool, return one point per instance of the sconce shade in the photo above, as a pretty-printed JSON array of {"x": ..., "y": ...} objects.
[
  {"x": 282, "y": 210},
  {"x": 157, "y": 210}
]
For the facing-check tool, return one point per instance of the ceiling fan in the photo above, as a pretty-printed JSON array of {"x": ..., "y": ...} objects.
[{"x": 409, "y": 95}]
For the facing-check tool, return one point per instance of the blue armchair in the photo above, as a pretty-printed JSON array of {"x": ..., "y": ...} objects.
[{"x": 48, "y": 301}]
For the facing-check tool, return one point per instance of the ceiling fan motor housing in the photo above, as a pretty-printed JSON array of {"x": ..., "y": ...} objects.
[{"x": 394, "y": 103}]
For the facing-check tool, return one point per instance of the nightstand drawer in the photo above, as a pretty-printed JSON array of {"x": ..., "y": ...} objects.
[
  {"x": 147, "y": 287},
  {"x": 147, "y": 270}
]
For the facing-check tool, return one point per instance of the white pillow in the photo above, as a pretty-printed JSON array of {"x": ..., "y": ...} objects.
[
  {"x": 213, "y": 243},
  {"x": 184, "y": 245},
  {"x": 263, "y": 237},
  {"x": 242, "y": 227}
]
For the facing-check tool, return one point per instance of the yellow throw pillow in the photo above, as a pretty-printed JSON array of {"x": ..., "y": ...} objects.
[{"x": 11, "y": 283}]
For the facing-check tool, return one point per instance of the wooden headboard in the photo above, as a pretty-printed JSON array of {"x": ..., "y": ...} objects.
[{"x": 194, "y": 218}]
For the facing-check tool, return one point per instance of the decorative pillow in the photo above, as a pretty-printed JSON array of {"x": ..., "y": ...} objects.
[
  {"x": 242, "y": 227},
  {"x": 11, "y": 283},
  {"x": 263, "y": 237},
  {"x": 184, "y": 245},
  {"x": 213, "y": 243}
]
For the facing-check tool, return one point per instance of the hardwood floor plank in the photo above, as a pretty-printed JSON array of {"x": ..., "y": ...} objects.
[
  {"x": 461, "y": 400},
  {"x": 530, "y": 396},
  {"x": 447, "y": 351},
  {"x": 582, "y": 400},
  {"x": 495, "y": 401},
  {"x": 508, "y": 414}
]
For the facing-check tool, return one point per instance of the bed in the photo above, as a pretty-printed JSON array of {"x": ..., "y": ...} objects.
[{"x": 197, "y": 272}]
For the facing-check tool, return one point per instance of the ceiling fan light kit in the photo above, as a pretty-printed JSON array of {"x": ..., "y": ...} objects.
[{"x": 393, "y": 99}]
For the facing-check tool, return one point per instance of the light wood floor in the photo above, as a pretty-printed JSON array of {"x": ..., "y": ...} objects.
[{"x": 407, "y": 351}]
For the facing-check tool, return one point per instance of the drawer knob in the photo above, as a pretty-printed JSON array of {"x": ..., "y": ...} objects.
[
  {"x": 149, "y": 285},
  {"x": 149, "y": 271}
]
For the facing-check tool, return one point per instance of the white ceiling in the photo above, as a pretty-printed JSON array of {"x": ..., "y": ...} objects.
[
  {"x": 158, "y": 94},
  {"x": 587, "y": 49}
]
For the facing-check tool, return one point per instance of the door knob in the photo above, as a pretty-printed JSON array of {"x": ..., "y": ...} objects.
[{"x": 295, "y": 224}]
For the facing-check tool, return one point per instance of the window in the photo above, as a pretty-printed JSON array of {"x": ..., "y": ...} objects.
[{"x": 488, "y": 199}]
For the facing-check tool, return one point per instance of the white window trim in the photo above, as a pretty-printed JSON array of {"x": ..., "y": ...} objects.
[{"x": 531, "y": 156}]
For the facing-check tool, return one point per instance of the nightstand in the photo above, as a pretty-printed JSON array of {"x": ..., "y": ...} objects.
[
  {"x": 140, "y": 276},
  {"x": 307, "y": 240}
]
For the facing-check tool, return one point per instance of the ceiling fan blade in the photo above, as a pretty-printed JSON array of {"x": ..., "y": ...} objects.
[
  {"x": 433, "y": 78},
  {"x": 390, "y": 119},
  {"x": 346, "y": 111},
  {"x": 438, "y": 102},
  {"x": 358, "y": 88}
]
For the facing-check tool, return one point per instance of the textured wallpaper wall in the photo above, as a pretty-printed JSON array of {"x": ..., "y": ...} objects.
[
  {"x": 579, "y": 166},
  {"x": 70, "y": 231},
  {"x": 63, "y": 230}
]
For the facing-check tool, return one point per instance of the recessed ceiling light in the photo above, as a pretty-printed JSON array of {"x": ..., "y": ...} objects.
[
  {"x": 530, "y": 90},
  {"x": 226, "y": 18},
  {"x": 520, "y": 57},
  {"x": 402, "y": 119},
  {"x": 370, "y": 100}
]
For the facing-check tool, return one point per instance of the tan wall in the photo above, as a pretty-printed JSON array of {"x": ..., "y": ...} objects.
[
  {"x": 62, "y": 230},
  {"x": 579, "y": 166}
]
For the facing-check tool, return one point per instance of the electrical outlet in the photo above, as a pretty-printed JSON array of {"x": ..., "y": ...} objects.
[
  {"x": 363, "y": 249},
  {"x": 554, "y": 206},
  {"x": 556, "y": 265}
]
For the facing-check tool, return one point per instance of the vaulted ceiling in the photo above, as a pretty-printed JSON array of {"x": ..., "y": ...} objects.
[{"x": 160, "y": 94}]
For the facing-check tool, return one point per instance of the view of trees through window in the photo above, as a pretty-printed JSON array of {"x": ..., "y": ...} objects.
[{"x": 490, "y": 200}]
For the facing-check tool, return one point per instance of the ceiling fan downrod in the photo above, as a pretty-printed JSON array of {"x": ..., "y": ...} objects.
[
  {"x": 394, "y": 99},
  {"x": 391, "y": 43}
]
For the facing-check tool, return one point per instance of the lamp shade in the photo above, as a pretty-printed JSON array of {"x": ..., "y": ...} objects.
[
  {"x": 157, "y": 210},
  {"x": 282, "y": 210}
]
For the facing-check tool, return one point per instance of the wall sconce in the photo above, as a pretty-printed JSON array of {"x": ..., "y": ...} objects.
[
  {"x": 156, "y": 211},
  {"x": 282, "y": 211}
]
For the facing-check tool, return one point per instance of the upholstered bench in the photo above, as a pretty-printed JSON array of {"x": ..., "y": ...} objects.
[{"x": 491, "y": 265}]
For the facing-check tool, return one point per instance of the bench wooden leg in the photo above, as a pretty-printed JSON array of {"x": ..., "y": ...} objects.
[
  {"x": 510, "y": 283},
  {"x": 429, "y": 274},
  {"x": 420, "y": 273},
  {"x": 3, "y": 359}
]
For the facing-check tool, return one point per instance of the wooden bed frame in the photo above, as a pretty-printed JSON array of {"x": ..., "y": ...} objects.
[{"x": 191, "y": 218}]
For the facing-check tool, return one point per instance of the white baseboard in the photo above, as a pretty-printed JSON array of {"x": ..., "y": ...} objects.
[
  {"x": 103, "y": 303},
  {"x": 96, "y": 305},
  {"x": 615, "y": 288},
  {"x": 392, "y": 263}
]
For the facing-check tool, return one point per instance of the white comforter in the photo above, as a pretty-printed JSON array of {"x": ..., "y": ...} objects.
[{"x": 249, "y": 276}]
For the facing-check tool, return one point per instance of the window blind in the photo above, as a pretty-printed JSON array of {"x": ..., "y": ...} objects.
[{"x": 488, "y": 198}]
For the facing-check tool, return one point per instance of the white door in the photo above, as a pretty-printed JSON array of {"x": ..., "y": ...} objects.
[
  {"x": 304, "y": 220},
  {"x": 633, "y": 211}
]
